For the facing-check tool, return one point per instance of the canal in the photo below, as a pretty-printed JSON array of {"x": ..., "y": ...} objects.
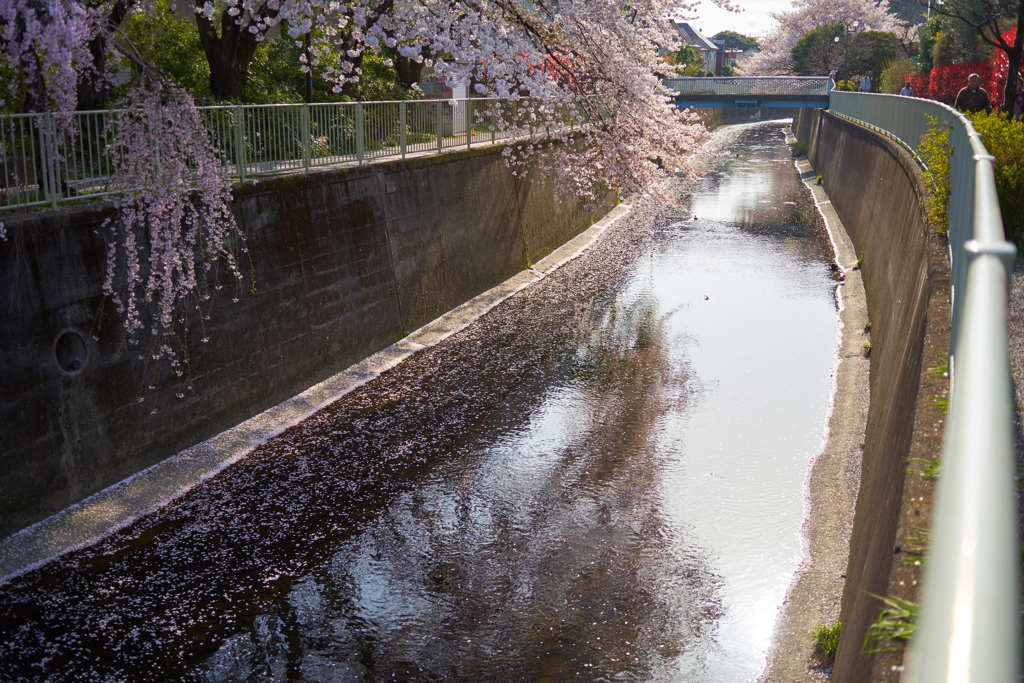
[{"x": 601, "y": 479}]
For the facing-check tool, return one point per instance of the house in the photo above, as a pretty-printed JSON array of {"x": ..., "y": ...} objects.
[{"x": 712, "y": 54}]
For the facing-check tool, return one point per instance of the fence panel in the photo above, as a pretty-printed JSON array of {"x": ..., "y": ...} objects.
[{"x": 43, "y": 163}]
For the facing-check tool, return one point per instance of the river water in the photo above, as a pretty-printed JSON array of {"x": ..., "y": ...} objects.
[{"x": 602, "y": 479}]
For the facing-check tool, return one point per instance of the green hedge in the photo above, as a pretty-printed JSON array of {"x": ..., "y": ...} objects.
[{"x": 1004, "y": 139}]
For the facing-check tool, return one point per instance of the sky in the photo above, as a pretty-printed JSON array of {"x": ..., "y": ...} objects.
[{"x": 754, "y": 20}]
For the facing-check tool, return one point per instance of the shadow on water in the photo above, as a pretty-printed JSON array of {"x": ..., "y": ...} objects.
[
  {"x": 598, "y": 480},
  {"x": 533, "y": 560}
]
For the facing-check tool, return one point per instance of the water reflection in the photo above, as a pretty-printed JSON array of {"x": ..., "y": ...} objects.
[
  {"x": 600, "y": 480},
  {"x": 541, "y": 556},
  {"x": 640, "y": 520}
]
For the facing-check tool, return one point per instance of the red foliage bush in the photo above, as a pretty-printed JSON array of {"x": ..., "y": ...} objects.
[
  {"x": 919, "y": 83},
  {"x": 944, "y": 82}
]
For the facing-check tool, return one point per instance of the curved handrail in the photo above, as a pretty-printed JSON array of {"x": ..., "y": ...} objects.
[{"x": 969, "y": 614}]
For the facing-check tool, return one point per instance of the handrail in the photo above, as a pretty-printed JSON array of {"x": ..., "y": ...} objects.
[
  {"x": 969, "y": 616},
  {"x": 46, "y": 160}
]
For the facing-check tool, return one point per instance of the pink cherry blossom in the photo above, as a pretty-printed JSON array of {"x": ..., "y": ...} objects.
[
  {"x": 579, "y": 73},
  {"x": 775, "y": 57}
]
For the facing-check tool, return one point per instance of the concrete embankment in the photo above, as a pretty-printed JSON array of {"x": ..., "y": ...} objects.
[
  {"x": 341, "y": 263},
  {"x": 875, "y": 188}
]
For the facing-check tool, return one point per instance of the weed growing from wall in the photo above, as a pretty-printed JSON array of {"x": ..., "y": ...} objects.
[
  {"x": 926, "y": 468},
  {"x": 894, "y": 627}
]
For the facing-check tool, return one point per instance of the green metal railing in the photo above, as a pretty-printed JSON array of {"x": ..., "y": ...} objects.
[
  {"x": 755, "y": 86},
  {"x": 45, "y": 161},
  {"x": 970, "y": 607}
]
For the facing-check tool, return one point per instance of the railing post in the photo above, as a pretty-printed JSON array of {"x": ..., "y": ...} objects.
[
  {"x": 307, "y": 142},
  {"x": 402, "y": 134},
  {"x": 51, "y": 175},
  {"x": 360, "y": 134},
  {"x": 469, "y": 123},
  {"x": 239, "y": 142},
  {"x": 440, "y": 125}
]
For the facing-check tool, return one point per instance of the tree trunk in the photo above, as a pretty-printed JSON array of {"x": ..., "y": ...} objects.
[
  {"x": 94, "y": 92},
  {"x": 228, "y": 55},
  {"x": 1014, "y": 63},
  {"x": 408, "y": 71}
]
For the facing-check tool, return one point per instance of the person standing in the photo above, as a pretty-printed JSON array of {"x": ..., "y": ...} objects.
[
  {"x": 865, "y": 83},
  {"x": 906, "y": 90},
  {"x": 972, "y": 98}
]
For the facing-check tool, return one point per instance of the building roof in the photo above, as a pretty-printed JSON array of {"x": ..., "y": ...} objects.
[{"x": 693, "y": 38}]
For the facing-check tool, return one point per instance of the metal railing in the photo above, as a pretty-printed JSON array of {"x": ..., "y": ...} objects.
[
  {"x": 779, "y": 86},
  {"x": 45, "y": 162},
  {"x": 969, "y": 616}
]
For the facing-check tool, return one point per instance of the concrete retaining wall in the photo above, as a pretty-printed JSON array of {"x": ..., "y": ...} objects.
[
  {"x": 878, "y": 193},
  {"x": 342, "y": 263},
  {"x": 715, "y": 117}
]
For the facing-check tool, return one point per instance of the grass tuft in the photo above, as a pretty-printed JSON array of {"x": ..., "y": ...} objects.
[
  {"x": 928, "y": 469},
  {"x": 826, "y": 642},
  {"x": 941, "y": 367},
  {"x": 894, "y": 627}
]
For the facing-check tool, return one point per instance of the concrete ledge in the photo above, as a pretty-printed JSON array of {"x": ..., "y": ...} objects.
[
  {"x": 121, "y": 504},
  {"x": 832, "y": 483}
]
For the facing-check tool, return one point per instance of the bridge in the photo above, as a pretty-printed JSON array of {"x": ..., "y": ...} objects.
[{"x": 794, "y": 92}]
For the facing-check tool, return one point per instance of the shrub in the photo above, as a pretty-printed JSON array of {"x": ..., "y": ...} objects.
[
  {"x": 896, "y": 73},
  {"x": 935, "y": 152},
  {"x": 1004, "y": 139},
  {"x": 826, "y": 642}
]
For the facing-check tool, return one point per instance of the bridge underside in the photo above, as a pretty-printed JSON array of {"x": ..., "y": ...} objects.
[{"x": 751, "y": 101}]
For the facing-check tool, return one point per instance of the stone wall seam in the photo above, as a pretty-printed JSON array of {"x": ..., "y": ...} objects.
[{"x": 340, "y": 266}]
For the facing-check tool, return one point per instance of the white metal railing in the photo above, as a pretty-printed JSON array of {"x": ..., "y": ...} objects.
[
  {"x": 45, "y": 162},
  {"x": 970, "y": 607},
  {"x": 778, "y": 86}
]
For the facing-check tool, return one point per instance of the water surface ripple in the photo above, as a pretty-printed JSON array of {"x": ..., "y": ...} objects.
[{"x": 599, "y": 480}]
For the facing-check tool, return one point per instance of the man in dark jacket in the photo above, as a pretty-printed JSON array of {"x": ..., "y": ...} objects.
[{"x": 972, "y": 98}]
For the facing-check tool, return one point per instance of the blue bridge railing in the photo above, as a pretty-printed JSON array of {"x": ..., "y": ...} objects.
[
  {"x": 751, "y": 91},
  {"x": 754, "y": 86}
]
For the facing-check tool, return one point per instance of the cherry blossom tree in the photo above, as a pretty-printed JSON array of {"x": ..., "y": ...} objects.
[
  {"x": 589, "y": 61},
  {"x": 776, "y": 58}
]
